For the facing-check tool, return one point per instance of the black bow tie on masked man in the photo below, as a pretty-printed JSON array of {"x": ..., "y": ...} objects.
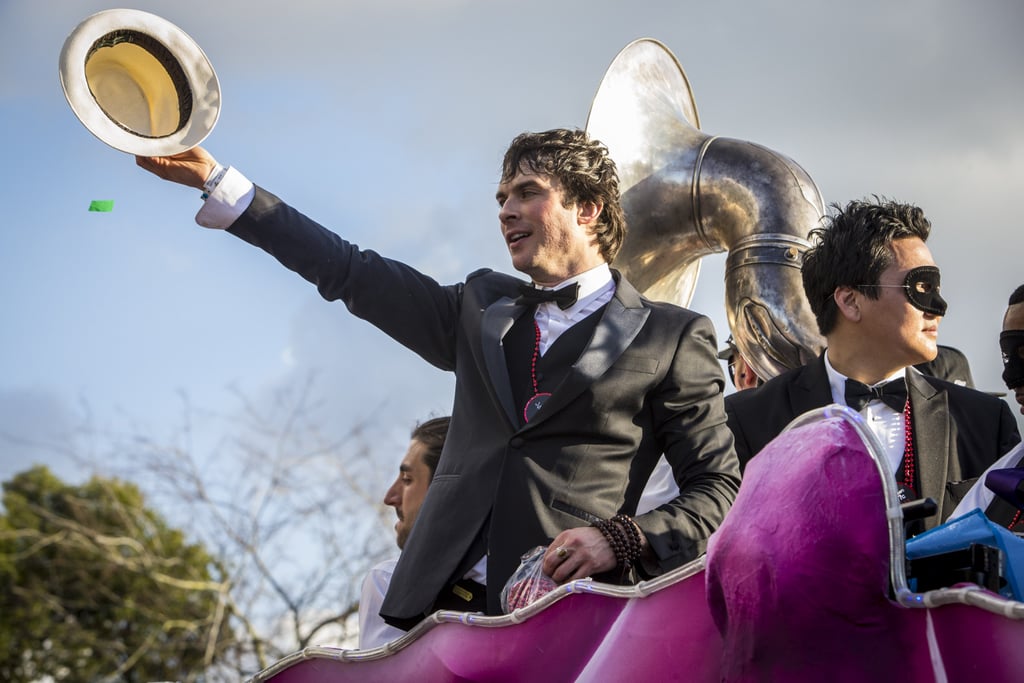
[
  {"x": 892, "y": 394},
  {"x": 639, "y": 380},
  {"x": 875, "y": 292}
]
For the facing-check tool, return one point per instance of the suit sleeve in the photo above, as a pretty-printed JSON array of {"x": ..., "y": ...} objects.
[
  {"x": 408, "y": 306},
  {"x": 689, "y": 415}
]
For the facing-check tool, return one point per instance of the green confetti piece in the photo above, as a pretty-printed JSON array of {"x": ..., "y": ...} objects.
[{"x": 101, "y": 205}]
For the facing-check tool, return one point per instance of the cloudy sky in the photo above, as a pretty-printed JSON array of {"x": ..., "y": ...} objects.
[{"x": 386, "y": 121}]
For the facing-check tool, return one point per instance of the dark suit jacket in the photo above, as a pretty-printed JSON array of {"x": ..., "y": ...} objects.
[
  {"x": 958, "y": 431},
  {"x": 647, "y": 382}
]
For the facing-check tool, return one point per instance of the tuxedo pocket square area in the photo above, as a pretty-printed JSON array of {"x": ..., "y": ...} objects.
[{"x": 634, "y": 363}]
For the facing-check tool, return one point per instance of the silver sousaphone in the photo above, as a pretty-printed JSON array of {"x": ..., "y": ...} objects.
[
  {"x": 139, "y": 83},
  {"x": 687, "y": 194}
]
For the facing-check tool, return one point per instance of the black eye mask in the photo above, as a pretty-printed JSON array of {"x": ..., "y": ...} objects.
[
  {"x": 1011, "y": 342},
  {"x": 922, "y": 288}
]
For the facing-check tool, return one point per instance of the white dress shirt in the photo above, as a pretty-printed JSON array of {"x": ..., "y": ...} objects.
[
  {"x": 981, "y": 496},
  {"x": 596, "y": 289},
  {"x": 886, "y": 424},
  {"x": 226, "y": 202},
  {"x": 373, "y": 630}
]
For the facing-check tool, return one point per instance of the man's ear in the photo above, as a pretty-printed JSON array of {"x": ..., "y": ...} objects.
[
  {"x": 588, "y": 212},
  {"x": 848, "y": 301}
]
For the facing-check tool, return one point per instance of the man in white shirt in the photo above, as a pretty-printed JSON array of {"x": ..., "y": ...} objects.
[{"x": 406, "y": 496}]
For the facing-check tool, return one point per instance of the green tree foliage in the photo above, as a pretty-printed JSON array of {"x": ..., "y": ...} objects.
[{"x": 94, "y": 586}]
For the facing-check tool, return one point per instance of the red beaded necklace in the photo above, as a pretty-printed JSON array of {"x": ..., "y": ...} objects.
[
  {"x": 1013, "y": 522},
  {"x": 536, "y": 401},
  {"x": 909, "y": 455},
  {"x": 909, "y": 460}
]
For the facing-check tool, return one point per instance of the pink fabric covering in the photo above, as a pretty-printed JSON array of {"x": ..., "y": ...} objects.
[
  {"x": 977, "y": 646},
  {"x": 552, "y": 646},
  {"x": 668, "y": 636},
  {"x": 797, "y": 586},
  {"x": 797, "y": 575}
]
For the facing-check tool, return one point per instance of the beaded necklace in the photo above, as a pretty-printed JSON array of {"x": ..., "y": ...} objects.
[
  {"x": 1013, "y": 522},
  {"x": 906, "y": 486},
  {"x": 906, "y": 490},
  {"x": 536, "y": 401}
]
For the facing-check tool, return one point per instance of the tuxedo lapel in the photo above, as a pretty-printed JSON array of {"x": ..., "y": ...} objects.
[
  {"x": 497, "y": 320},
  {"x": 933, "y": 441}
]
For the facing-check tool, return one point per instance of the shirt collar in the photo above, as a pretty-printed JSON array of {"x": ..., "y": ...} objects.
[{"x": 590, "y": 280}]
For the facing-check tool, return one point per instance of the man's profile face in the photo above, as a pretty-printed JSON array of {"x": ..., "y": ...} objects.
[
  {"x": 407, "y": 492},
  {"x": 1014, "y": 320},
  {"x": 547, "y": 241},
  {"x": 892, "y": 326}
]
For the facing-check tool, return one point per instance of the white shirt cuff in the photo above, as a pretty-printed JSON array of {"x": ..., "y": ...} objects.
[{"x": 227, "y": 202}]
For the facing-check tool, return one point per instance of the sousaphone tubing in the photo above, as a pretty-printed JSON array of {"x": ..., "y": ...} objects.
[{"x": 687, "y": 194}]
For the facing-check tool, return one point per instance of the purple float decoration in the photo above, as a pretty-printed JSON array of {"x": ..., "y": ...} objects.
[{"x": 804, "y": 581}]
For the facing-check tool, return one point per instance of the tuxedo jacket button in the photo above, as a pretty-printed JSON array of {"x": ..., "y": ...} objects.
[{"x": 516, "y": 442}]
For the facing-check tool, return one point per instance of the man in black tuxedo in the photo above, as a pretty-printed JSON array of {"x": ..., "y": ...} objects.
[
  {"x": 1011, "y": 343},
  {"x": 568, "y": 388},
  {"x": 874, "y": 289}
]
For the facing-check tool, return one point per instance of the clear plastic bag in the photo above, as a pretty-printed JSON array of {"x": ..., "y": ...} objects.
[{"x": 528, "y": 582}]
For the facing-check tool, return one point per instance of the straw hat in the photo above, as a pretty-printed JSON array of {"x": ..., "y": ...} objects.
[{"x": 139, "y": 83}]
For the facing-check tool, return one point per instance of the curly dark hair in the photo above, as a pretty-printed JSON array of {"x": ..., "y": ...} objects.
[
  {"x": 853, "y": 249},
  {"x": 585, "y": 171},
  {"x": 432, "y": 434},
  {"x": 1017, "y": 297}
]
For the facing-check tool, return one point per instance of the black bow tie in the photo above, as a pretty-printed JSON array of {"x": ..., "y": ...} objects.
[
  {"x": 564, "y": 297},
  {"x": 893, "y": 394}
]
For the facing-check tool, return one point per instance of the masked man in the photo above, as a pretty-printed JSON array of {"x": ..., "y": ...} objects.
[{"x": 874, "y": 289}]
